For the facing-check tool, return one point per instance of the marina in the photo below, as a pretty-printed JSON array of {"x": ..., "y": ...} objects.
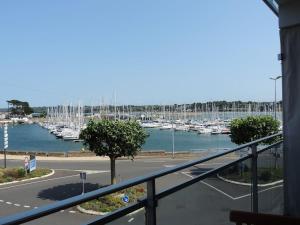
[
  {"x": 32, "y": 137},
  {"x": 66, "y": 121},
  {"x": 177, "y": 128}
]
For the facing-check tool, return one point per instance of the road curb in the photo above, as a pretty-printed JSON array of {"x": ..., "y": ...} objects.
[
  {"x": 248, "y": 184},
  {"x": 134, "y": 212},
  {"x": 34, "y": 178},
  {"x": 91, "y": 212}
]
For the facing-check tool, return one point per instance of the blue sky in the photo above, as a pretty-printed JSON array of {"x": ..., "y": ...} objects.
[{"x": 149, "y": 52}]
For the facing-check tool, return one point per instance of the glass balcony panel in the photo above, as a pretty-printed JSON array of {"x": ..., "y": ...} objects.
[
  {"x": 135, "y": 218},
  {"x": 208, "y": 201},
  {"x": 270, "y": 177}
]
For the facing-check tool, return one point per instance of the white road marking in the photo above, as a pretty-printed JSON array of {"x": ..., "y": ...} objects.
[
  {"x": 18, "y": 205},
  {"x": 227, "y": 195},
  {"x": 264, "y": 190},
  {"x": 40, "y": 181},
  {"x": 187, "y": 174},
  {"x": 153, "y": 161},
  {"x": 72, "y": 211},
  {"x": 130, "y": 220},
  {"x": 169, "y": 166},
  {"x": 218, "y": 190},
  {"x": 26, "y": 206},
  {"x": 209, "y": 164},
  {"x": 35, "y": 207},
  {"x": 1, "y": 200},
  {"x": 8, "y": 203},
  {"x": 87, "y": 171},
  {"x": 62, "y": 211}
]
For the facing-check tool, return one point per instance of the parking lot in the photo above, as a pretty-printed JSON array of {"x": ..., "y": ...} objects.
[{"x": 205, "y": 202}]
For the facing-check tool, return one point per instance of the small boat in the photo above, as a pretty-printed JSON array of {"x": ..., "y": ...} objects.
[
  {"x": 204, "y": 130},
  {"x": 166, "y": 127},
  {"x": 216, "y": 130},
  {"x": 182, "y": 128},
  {"x": 225, "y": 130}
]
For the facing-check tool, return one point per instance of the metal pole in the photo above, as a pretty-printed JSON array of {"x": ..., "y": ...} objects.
[
  {"x": 151, "y": 203},
  {"x": 254, "y": 179},
  {"x": 5, "y": 142},
  {"x": 4, "y": 158},
  {"x": 275, "y": 102},
  {"x": 115, "y": 95},
  {"x": 82, "y": 186},
  {"x": 173, "y": 140}
]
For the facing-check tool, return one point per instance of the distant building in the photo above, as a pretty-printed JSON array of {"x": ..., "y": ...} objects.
[
  {"x": 35, "y": 115},
  {"x": 2, "y": 116}
]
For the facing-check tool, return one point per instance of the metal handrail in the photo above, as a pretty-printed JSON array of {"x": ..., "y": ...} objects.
[
  {"x": 141, "y": 203},
  {"x": 272, "y": 6},
  {"x": 67, "y": 203}
]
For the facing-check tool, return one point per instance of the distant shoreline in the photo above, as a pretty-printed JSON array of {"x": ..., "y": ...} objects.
[{"x": 91, "y": 155}]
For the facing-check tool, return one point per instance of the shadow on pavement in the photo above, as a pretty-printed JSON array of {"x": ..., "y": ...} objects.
[
  {"x": 64, "y": 191},
  {"x": 196, "y": 171}
]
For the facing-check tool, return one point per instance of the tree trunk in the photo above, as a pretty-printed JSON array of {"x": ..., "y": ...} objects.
[{"x": 113, "y": 170}]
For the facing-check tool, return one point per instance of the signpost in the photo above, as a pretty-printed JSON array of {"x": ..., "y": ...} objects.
[
  {"x": 5, "y": 143},
  {"x": 26, "y": 164},
  {"x": 32, "y": 163},
  {"x": 125, "y": 199},
  {"x": 83, "y": 179}
]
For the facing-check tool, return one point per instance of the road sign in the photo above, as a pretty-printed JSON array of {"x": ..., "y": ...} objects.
[
  {"x": 5, "y": 143},
  {"x": 32, "y": 164},
  {"x": 125, "y": 199},
  {"x": 83, "y": 175}
]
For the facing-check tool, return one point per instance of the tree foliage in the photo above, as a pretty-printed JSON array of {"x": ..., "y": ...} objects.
[
  {"x": 19, "y": 107},
  {"x": 244, "y": 130},
  {"x": 114, "y": 139}
]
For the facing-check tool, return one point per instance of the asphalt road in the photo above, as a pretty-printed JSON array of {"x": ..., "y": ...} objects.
[{"x": 206, "y": 202}]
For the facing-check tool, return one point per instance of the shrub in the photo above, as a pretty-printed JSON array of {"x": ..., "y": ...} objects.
[
  {"x": 246, "y": 168},
  {"x": 244, "y": 130},
  {"x": 21, "y": 172},
  {"x": 11, "y": 173},
  {"x": 265, "y": 176},
  {"x": 114, "y": 201}
]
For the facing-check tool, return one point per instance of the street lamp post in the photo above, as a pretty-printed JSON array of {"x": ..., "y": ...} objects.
[{"x": 275, "y": 103}]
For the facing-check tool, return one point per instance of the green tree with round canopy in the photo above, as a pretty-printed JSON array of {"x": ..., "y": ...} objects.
[
  {"x": 244, "y": 130},
  {"x": 114, "y": 139}
]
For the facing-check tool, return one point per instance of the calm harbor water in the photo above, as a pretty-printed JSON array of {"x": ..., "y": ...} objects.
[{"x": 34, "y": 138}]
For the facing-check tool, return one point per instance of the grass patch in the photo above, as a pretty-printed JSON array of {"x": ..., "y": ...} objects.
[
  {"x": 114, "y": 201},
  {"x": 14, "y": 174}
]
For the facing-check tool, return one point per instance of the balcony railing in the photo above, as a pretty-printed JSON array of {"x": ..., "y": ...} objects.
[
  {"x": 246, "y": 180},
  {"x": 273, "y": 5}
]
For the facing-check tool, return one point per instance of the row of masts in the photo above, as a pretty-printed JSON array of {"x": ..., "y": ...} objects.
[
  {"x": 66, "y": 121},
  {"x": 66, "y": 115},
  {"x": 74, "y": 115},
  {"x": 208, "y": 111}
]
